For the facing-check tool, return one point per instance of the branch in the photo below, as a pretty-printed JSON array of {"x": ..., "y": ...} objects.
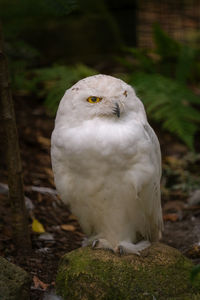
[{"x": 13, "y": 160}]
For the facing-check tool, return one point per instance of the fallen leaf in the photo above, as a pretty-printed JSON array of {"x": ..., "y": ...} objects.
[
  {"x": 193, "y": 208},
  {"x": 51, "y": 181},
  {"x": 49, "y": 171},
  {"x": 174, "y": 161},
  {"x": 43, "y": 190},
  {"x": 3, "y": 188},
  {"x": 46, "y": 236},
  {"x": 39, "y": 198},
  {"x": 171, "y": 217},
  {"x": 173, "y": 206},
  {"x": 29, "y": 204},
  {"x": 50, "y": 175},
  {"x": 39, "y": 284},
  {"x": 179, "y": 148},
  {"x": 37, "y": 226},
  {"x": 79, "y": 233},
  {"x": 72, "y": 218},
  {"x": 68, "y": 227},
  {"x": 44, "y": 141},
  {"x": 194, "y": 251},
  {"x": 194, "y": 197},
  {"x": 7, "y": 232}
]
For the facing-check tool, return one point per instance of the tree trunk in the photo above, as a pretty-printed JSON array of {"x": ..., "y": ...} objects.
[{"x": 13, "y": 160}]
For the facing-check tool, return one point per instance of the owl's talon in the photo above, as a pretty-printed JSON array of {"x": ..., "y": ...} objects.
[
  {"x": 101, "y": 244},
  {"x": 120, "y": 250},
  {"x": 95, "y": 243},
  {"x": 130, "y": 248},
  {"x": 109, "y": 249},
  {"x": 85, "y": 242}
]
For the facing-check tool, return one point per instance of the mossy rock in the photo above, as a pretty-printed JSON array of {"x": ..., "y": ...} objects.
[
  {"x": 14, "y": 282},
  {"x": 160, "y": 272}
]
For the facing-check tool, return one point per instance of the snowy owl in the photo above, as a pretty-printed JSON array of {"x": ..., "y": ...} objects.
[{"x": 107, "y": 164}]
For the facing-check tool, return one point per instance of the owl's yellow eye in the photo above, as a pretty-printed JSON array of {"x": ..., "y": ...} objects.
[{"x": 93, "y": 99}]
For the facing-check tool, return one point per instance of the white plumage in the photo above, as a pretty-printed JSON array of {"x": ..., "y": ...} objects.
[{"x": 107, "y": 164}]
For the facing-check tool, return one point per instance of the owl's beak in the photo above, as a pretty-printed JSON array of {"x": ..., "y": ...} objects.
[{"x": 116, "y": 110}]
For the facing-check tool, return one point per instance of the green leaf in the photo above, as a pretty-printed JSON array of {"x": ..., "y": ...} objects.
[
  {"x": 37, "y": 226},
  {"x": 57, "y": 79},
  {"x": 186, "y": 59},
  {"x": 142, "y": 60},
  {"x": 194, "y": 273},
  {"x": 169, "y": 102},
  {"x": 166, "y": 46}
]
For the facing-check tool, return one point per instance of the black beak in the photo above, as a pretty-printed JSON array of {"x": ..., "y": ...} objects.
[{"x": 116, "y": 110}]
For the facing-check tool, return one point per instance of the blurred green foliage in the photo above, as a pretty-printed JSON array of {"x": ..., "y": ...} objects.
[
  {"x": 14, "y": 10},
  {"x": 169, "y": 102},
  {"x": 195, "y": 273},
  {"x": 55, "y": 81},
  {"x": 161, "y": 78},
  {"x": 49, "y": 83}
]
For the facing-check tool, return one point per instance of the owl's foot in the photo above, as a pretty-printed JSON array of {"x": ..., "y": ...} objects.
[
  {"x": 102, "y": 244},
  {"x": 89, "y": 241},
  {"x": 85, "y": 242},
  {"x": 129, "y": 248},
  {"x": 122, "y": 248}
]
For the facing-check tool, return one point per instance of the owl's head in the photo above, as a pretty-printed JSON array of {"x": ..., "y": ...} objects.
[{"x": 100, "y": 96}]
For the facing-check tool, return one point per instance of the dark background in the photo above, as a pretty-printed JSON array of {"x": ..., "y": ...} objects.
[{"x": 152, "y": 45}]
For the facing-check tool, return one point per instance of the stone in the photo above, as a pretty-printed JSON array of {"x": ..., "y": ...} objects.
[
  {"x": 160, "y": 272},
  {"x": 14, "y": 281}
]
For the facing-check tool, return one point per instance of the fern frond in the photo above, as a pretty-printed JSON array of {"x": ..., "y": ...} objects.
[
  {"x": 170, "y": 103},
  {"x": 166, "y": 46},
  {"x": 186, "y": 60},
  {"x": 143, "y": 61},
  {"x": 57, "y": 79}
]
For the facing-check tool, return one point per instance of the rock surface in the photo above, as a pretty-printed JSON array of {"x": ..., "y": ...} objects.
[
  {"x": 160, "y": 272},
  {"x": 14, "y": 282}
]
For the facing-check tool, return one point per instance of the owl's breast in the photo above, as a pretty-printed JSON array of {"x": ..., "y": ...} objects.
[{"x": 99, "y": 145}]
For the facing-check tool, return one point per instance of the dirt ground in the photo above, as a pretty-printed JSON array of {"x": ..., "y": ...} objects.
[{"x": 62, "y": 231}]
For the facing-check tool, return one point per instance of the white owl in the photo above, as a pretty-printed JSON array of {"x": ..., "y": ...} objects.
[{"x": 107, "y": 164}]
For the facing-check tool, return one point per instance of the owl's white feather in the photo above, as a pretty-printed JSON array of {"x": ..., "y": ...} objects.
[{"x": 107, "y": 166}]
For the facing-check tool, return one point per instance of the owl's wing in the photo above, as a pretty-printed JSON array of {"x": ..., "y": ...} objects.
[
  {"x": 149, "y": 195},
  {"x": 155, "y": 145},
  {"x": 63, "y": 181}
]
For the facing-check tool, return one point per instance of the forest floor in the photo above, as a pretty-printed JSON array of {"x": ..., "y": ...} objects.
[{"x": 181, "y": 206}]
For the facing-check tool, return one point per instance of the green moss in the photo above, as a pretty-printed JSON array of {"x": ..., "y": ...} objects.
[
  {"x": 14, "y": 281},
  {"x": 160, "y": 271}
]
